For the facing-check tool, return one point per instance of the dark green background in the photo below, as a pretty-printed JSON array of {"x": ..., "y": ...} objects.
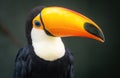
[{"x": 92, "y": 59}]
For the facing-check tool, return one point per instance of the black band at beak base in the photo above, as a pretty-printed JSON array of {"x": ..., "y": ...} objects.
[
  {"x": 93, "y": 30},
  {"x": 47, "y": 32}
]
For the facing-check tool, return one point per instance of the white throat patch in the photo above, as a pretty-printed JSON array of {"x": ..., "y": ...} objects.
[{"x": 47, "y": 47}]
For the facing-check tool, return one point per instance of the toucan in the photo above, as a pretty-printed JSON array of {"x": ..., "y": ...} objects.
[{"x": 45, "y": 55}]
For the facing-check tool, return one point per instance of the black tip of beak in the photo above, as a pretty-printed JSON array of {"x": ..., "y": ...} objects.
[{"x": 94, "y": 30}]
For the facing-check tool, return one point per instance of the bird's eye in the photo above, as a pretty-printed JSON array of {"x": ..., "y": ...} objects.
[{"x": 37, "y": 23}]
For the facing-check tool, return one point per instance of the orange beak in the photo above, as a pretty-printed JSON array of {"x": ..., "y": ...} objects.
[{"x": 62, "y": 22}]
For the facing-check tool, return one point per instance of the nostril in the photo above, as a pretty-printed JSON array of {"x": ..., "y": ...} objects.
[{"x": 93, "y": 30}]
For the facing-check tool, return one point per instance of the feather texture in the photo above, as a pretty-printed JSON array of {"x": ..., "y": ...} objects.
[{"x": 29, "y": 65}]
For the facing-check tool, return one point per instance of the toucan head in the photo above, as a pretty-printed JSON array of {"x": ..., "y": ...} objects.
[{"x": 61, "y": 22}]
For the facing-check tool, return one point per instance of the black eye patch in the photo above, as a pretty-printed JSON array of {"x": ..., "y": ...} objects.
[{"x": 37, "y": 23}]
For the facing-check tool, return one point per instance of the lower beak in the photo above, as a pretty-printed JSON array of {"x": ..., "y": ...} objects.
[{"x": 62, "y": 22}]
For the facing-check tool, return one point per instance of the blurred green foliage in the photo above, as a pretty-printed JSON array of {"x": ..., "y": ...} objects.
[{"x": 92, "y": 59}]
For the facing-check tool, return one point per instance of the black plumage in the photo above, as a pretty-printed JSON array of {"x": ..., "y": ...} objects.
[{"x": 29, "y": 65}]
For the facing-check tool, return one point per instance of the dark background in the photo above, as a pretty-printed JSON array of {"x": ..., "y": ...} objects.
[{"x": 92, "y": 59}]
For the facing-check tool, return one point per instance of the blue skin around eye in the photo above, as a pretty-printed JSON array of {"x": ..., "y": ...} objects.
[{"x": 37, "y": 23}]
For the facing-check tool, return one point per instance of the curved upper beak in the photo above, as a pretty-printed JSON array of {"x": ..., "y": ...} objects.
[{"x": 63, "y": 22}]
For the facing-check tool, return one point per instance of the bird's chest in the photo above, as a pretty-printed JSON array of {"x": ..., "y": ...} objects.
[{"x": 49, "y": 69}]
